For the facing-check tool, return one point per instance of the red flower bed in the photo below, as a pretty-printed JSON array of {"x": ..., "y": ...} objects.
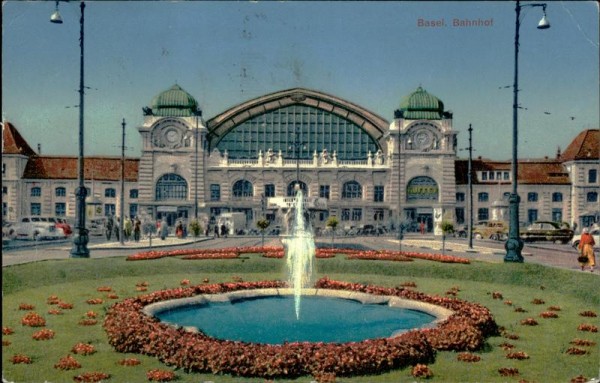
[
  {"x": 520, "y": 355},
  {"x": 129, "y": 362},
  {"x": 65, "y": 305},
  {"x": 33, "y": 319},
  {"x": 88, "y": 322},
  {"x": 588, "y": 313},
  {"x": 587, "y": 327},
  {"x": 421, "y": 371},
  {"x": 497, "y": 295},
  {"x": 55, "y": 312},
  {"x": 506, "y": 371},
  {"x": 91, "y": 377},
  {"x": 94, "y": 301},
  {"x": 112, "y": 296},
  {"x": 506, "y": 346},
  {"x": 468, "y": 357},
  {"x": 7, "y": 331},
  {"x": 104, "y": 289},
  {"x": 529, "y": 322},
  {"x": 91, "y": 314},
  {"x": 548, "y": 314},
  {"x": 6, "y": 342},
  {"x": 52, "y": 300},
  {"x": 67, "y": 363},
  {"x": 26, "y": 307},
  {"x": 520, "y": 310},
  {"x": 157, "y": 375},
  {"x": 44, "y": 334},
  {"x": 554, "y": 308},
  {"x": 83, "y": 349},
  {"x": 579, "y": 379},
  {"x": 129, "y": 330},
  {"x": 576, "y": 351},
  {"x": 538, "y": 301},
  {"x": 20, "y": 359},
  {"x": 278, "y": 252},
  {"x": 583, "y": 342}
]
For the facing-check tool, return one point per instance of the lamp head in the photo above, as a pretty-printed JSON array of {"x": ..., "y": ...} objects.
[
  {"x": 544, "y": 24},
  {"x": 55, "y": 18}
]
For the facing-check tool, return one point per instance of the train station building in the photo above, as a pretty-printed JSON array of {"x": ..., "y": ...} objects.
[{"x": 350, "y": 162}]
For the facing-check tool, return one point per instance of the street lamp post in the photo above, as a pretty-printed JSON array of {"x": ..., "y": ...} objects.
[
  {"x": 197, "y": 114},
  {"x": 122, "y": 199},
  {"x": 399, "y": 191},
  {"x": 514, "y": 244},
  {"x": 80, "y": 237},
  {"x": 470, "y": 180}
]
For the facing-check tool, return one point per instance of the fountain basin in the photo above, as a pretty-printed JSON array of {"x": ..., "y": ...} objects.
[{"x": 266, "y": 316}]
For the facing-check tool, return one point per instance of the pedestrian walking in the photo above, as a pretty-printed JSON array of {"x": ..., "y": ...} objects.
[
  {"x": 223, "y": 231},
  {"x": 108, "y": 227},
  {"x": 216, "y": 228},
  {"x": 164, "y": 229},
  {"x": 422, "y": 227},
  {"x": 586, "y": 250},
  {"x": 179, "y": 230},
  {"x": 116, "y": 227},
  {"x": 137, "y": 229}
]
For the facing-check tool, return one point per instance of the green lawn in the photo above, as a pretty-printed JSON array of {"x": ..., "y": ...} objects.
[{"x": 76, "y": 281}]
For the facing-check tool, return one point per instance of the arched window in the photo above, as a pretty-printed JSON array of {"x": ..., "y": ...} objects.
[
  {"x": 171, "y": 187},
  {"x": 60, "y": 192},
  {"x": 291, "y": 188},
  {"x": 243, "y": 188},
  {"x": 352, "y": 189},
  {"x": 36, "y": 191},
  {"x": 557, "y": 197},
  {"x": 110, "y": 193}
]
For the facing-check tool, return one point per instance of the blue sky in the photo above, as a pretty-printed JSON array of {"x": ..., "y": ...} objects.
[{"x": 369, "y": 53}]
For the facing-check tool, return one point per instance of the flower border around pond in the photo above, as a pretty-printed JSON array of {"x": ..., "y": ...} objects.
[{"x": 130, "y": 330}]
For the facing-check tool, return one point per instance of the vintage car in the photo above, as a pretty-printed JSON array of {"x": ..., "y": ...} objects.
[
  {"x": 37, "y": 228},
  {"x": 546, "y": 231},
  {"x": 595, "y": 234},
  {"x": 496, "y": 230}
]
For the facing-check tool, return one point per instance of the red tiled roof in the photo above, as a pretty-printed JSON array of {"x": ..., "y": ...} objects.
[
  {"x": 97, "y": 168},
  {"x": 550, "y": 172},
  {"x": 585, "y": 146},
  {"x": 13, "y": 142}
]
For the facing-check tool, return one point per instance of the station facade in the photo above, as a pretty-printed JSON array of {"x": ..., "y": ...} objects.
[{"x": 350, "y": 163}]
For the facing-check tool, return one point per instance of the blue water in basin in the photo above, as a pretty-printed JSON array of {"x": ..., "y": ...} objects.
[{"x": 273, "y": 320}]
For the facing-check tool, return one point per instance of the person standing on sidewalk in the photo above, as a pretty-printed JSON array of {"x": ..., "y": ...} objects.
[
  {"x": 137, "y": 229},
  {"x": 586, "y": 250},
  {"x": 108, "y": 227}
]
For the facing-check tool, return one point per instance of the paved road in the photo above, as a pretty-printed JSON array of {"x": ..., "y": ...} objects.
[{"x": 555, "y": 255}]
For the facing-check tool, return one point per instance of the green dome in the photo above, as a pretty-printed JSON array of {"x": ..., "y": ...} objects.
[
  {"x": 420, "y": 105},
  {"x": 174, "y": 102}
]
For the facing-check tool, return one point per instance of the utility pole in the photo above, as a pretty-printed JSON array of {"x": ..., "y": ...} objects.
[{"x": 122, "y": 201}]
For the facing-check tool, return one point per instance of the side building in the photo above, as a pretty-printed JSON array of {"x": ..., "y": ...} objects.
[{"x": 350, "y": 162}]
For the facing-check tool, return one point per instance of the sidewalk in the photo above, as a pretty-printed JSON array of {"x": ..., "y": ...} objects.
[{"x": 146, "y": 243}]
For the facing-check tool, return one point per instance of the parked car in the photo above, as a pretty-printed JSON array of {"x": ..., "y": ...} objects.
[
  {"x": 496, "y": 230},
  {"x": 595, "y": 234},
  {"x": 37, "y": 228},
  {"x": 546, "y": 231},
  {"x": 8, "y": 230}
]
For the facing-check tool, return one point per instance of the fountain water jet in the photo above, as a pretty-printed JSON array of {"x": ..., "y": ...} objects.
[{"x": 300, "y": 251}]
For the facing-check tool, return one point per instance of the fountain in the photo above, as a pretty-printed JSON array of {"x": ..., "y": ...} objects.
[{"x": 299, "y": 250}]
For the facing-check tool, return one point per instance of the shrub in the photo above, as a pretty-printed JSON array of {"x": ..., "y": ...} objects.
[
  {"x": 91, "y": 377},
  {"x": 157, "y": 375},
  {"x": 44, "y": 334},
  {"x": 83, "y": 349},
  {"x": 67, "y": 363},
  {"x": 20, "y": 359},
  {"x": 529, "y": 322},
  {"x": 468, "y": 357},
  {"x": 33, "y": 319},
  {"x": 129, "y": 362},
  {"x": 26, "y": 307},
  {"x": 422, "y": 371},
  {"x": 7, "y": 331}
]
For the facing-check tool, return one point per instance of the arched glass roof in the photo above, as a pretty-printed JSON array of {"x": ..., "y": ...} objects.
[{"x": 317, "y": 129}]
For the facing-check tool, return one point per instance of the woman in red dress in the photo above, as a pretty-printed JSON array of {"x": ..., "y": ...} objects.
[{"x": 586, "y": 248}]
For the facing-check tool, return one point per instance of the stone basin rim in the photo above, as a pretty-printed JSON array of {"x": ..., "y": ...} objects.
[{"x": 441, "y": 313}]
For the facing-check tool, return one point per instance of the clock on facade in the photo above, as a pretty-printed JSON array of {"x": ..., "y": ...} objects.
[{"x": 425, "y": 136}]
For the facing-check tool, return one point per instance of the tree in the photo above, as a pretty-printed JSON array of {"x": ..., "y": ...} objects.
[
  {"x": 195, "y": 228},
  {"x": 332, "y": 223},
  {"x": 262, "y": 224}
]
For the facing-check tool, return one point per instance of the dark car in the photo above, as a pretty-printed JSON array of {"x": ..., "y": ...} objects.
[{"x": 547, "y": 231}]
